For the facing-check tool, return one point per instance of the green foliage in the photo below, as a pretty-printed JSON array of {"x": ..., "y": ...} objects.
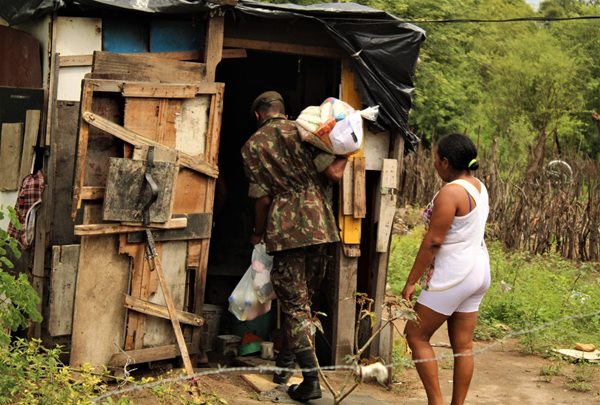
[
  {"x": 506, "y": 81},
  {"x": 18, "y": 300},
  {"x": 581, "y": 379},
  {"x": 527, "y": 292},
  {"x": 32, "y": 374}
]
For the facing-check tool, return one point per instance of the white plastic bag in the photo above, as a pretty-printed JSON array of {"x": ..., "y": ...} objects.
[
  {"x": 253, "y": 294},
  {"x": 347, "y": 135},
  {"x": 262, "y": 263}
]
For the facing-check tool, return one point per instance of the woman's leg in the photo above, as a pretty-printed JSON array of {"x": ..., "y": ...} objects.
[
  {"x": 418, "y": 334},
  {"x": 461, "y": 326}
]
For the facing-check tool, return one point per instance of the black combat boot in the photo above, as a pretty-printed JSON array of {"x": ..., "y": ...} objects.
[
  {"x": 309, "y": 387},
  {"x": 285, "y": 359}
]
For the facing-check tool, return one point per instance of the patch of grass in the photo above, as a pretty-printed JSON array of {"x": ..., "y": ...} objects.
[
  {"x": 400, "y": 359},
  {"x": 543, "y": 300},
  {"x": 581, "y": 379},
  {"x": 550, "y": 371}
]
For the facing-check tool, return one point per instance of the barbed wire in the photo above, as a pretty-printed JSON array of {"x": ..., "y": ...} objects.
[{"x": 268, "y": 369}]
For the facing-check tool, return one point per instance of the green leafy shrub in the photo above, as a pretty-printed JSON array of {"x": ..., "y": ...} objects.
[
  {"x": 18, "y": 300},
  {"x": 32, "y": 374}
]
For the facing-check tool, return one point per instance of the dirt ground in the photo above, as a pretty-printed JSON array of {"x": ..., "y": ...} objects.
[{"x": 502, "y": 376}]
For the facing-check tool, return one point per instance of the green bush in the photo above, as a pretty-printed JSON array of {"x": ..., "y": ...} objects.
[
  {"x": 32, "y": 374},
  {"x": 18, "y": 300}
]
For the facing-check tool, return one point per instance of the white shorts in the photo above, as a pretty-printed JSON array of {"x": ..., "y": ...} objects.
[{"x": 466, "y": 296}]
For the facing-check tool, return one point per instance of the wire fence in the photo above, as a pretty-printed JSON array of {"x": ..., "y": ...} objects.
[
  {"x": 552, "y": 206},
  {"x": 183, "y": 378}
]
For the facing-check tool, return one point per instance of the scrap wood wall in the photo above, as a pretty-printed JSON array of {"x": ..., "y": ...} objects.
[
  {"x": 182, "y": 118},
  {"x": 185, "y": 254}
]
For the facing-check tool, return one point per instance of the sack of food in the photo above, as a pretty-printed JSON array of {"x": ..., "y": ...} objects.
[{"x": 334, "y": 126}]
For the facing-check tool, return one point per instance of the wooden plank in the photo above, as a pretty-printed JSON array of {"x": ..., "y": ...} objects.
[
  {"x": 347, "y": 188},
  {"x": 98, "y": 318},
  {"x": 119, "y": 359},
  {"x": 377, "y": 147},
  {"x": 166, "y": 291},
  {"x": 75, "y": 60},
  {"x": 193, "y": 256},
  {"x": 101, "y": 145},
  {"x": 161, "y": 311},
  {"x": 387, "y": 206},
  {"x": 234, "y": 53},
  {"x": 161, "y": 154},
  {"x": 157, "y": 331},
  {"x": 192, "y": 125},
  {"x": 344, "y": 310},
  {"x": 92, "y": 193},
  {"x": 44, "y": 221},
  {"x": 106, "y": 229},
  {"x": 195, "y": 55},
  {"x": 199, "y": 226},
  {"x": 214, "y": 45},
  {"x": 64, "y": 146},
  {"x": 359, "y": 190},
  {"x": 32, "y": 128},
  {"x": 75, "y": 36},
  {"x": 148, "y": 68},
  {"x": 191, "y": 162},
  {"x": 350, "y": 226},
  {"x": 142, "y": 286},
  {"x": 283, "y": 47},
  {"x": 382, "y": 345},
  {"x": 65, "y": 261},
  {"x": 179, "y": 55},
  {"x": 167, "y": 90},
  {"x": 264, "y": 382},
  {"x": 126, "y": 191},
  {"x": 82, "y": 145},
  {"x": 142, "y": 117},
  {"x": 10, "y": 156}
]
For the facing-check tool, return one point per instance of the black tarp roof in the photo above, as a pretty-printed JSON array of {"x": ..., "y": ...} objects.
[{"x": 384, "y": 49}]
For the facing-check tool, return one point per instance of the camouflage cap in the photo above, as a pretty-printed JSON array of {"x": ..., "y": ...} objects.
[{"x": 265, "y": 98}]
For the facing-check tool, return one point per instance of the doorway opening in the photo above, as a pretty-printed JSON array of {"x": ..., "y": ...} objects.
[{"x": 302, "y": 81}]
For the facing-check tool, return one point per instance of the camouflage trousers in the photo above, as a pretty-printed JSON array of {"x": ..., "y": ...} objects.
[{"x": 296, "y": 276}]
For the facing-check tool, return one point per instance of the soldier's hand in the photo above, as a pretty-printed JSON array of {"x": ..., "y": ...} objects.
[{"x": 255, "y": 239}]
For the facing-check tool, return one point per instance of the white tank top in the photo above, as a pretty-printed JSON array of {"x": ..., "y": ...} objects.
[{"x": 463, "y": 249}]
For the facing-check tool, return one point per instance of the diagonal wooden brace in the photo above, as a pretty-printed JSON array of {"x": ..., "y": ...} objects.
[{"x": 186, "y": 160}]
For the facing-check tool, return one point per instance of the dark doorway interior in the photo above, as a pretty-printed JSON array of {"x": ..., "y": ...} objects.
[{"x": 302, "y": 81}]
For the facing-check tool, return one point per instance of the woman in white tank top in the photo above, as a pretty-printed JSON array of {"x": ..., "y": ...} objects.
[{"x": 454, "y": 260}]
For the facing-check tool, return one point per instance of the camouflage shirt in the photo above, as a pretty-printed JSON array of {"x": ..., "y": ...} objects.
[{"x": 280, "y": 165}]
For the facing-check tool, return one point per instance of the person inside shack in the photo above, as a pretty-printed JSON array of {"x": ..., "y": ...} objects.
[{"x": 293, "y": 216}]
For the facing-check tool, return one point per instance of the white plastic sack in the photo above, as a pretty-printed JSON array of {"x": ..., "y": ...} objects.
[
  {"x": 347, "y": 135},
  {"x": 253, "y": 294},
  {"x": 262, "y": 263}
]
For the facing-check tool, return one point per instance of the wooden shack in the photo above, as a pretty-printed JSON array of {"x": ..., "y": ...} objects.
[{"x": 165, "y": 91}]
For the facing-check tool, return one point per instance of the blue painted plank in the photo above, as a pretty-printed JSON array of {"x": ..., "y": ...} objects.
[
  {"x": 176, "y": 35},
  {"x": 124, "y": 36}
]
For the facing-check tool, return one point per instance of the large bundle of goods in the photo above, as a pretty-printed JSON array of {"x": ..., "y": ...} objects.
[{"x": 334, "y": 126}]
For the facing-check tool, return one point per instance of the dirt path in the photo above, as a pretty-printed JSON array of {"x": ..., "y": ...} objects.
[{"x": 502, "y": 376}]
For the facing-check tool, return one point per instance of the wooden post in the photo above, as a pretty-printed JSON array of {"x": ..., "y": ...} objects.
[
  {"x": 214, "y": 45},
  {"x": 344, "y": 306},
  {"x": 382, "y": 345}
]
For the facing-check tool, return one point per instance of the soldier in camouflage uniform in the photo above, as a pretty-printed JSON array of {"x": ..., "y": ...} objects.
[{"x": 294, "y": 217}]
